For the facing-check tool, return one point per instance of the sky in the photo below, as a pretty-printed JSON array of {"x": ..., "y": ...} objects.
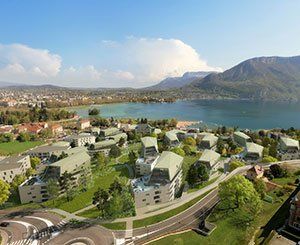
[{"x": 137, "y": 43}]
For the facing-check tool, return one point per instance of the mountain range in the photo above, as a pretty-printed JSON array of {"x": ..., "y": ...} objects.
[
  {"x": 270, "y": 78},
  {"x": 178, "y": 82}
]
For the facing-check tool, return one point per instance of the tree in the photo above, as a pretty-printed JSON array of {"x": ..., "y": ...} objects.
[
  {"x": 17, "y": 180},
  {"x": 34, "y": 162},
  {"x": 94, "y": 112},
  {"x": 238, "y": 196},
  {"x": 100, "y": 199},
  {"x": 121, "y": 142},
  {"x": 115, "y": 151},
  {"x": 277, "y": 171},
  {"x": 203, "y": 173},
  {"x": 30, "y": 172},
  {"x": 52, "y": 188},
  {"x": 189, "y": 141},
  {"x": 4, "y": 191},
  {"x": 260, "y": 187},
  {"x": 178, "y": 151},
  {"x": 116, "y": 186},
  {"x": 273, "y": 149},
  {"x": 268, "y": 159},
  {"x": 100, "y": 160},
  {"x": 23, "y": 137},
  {"x": 235, "y": 164},
  {"x": 84, "y": 179},
  {"x": 132, "y": 156},
  {"x": 192, "y": 175},
  {"x": 187, "y": 149}
]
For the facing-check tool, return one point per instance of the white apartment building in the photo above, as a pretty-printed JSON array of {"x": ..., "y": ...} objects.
[
  {"x": 163, "y": 183},
  {"x": 288, "y": 149},
  {"x": 82, "y": 139},
  {"x": 12, "y": 166}
]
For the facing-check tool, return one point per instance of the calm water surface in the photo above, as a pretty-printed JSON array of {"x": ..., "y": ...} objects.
[{"x": 245, "y": 114}]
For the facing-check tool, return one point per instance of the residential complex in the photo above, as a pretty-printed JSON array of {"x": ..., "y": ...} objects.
[
  {"x": 210, "y": 159},
  {"x": 81, "y": 139},
  {"x": 241, "y": 138}
]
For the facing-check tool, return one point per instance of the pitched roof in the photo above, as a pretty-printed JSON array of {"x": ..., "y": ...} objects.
[
  {"x": 209, "y": 156},
  {"x": 242, "y": 135},
  {"x": 210, "y": 138},
  {"x": 289, "y": 142},
  {"x": 171, "y": 136},
  {"x": 171, "y": 161},
  {"x": 254, "y": 148},
  {"x": 48, "y": 148},
  {"x": 110, "y": 131},
  {"x": 71, "y": 162},
  {"x": 257, "y": 169},
  {"x": 149, "y": 141}
]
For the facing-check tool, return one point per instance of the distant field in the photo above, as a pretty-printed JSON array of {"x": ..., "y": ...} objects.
[{"x": 16, "y": 147}]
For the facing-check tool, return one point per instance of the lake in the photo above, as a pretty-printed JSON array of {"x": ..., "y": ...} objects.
[{"x": 242, "y": 113}]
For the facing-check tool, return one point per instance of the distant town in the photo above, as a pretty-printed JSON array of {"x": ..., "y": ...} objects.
[{"x": 138, "y": 181}]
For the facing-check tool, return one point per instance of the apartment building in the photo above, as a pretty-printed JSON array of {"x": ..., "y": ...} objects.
[
  {"x": 241, "y": 138},
  {"x": 288, "y": 149},
  {"x": 163, "y": 183},
  {"x": 109, "y": 132},
  {"x": 171, "y": 139},
  {"x": 81, "y": 139},
  {"x": 146, "y": 162},
  {"x": 33, "y": 190},
  {"x": 210, "y": 159},
  {"x": 12, "y": 166},
  {"x": 253, "y": 152},
  {"x": 207, "y": 140}
]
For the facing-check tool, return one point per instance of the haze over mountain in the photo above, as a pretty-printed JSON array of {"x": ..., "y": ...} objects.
[
  {"x": 256, "y": 78},
  {"x": 178, "y": 82}
]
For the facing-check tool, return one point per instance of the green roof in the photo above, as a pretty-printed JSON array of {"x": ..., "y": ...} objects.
[
  {"x": 171, "y": 161},
  {"x": 72, "y": 162},
  {"x": 149, "y": 141}
]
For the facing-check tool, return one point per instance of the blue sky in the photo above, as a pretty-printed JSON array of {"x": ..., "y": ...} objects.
[{"x": 99, "y": 37}]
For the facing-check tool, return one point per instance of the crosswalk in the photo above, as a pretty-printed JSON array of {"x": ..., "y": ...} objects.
[{"x": 28, "y": 241}]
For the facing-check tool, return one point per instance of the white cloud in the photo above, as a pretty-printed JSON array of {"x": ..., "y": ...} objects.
[{"x": 135, "y": 62}]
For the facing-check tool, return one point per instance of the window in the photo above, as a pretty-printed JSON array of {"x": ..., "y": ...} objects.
[
  {"x": 33, "y": 196},
  {"x": 144, "y": 200}
]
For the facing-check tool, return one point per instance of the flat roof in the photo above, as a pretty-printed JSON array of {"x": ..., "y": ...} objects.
[{"x": 11, "y": 162}]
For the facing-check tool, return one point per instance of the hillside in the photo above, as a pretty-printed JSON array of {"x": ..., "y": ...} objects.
[
  {"x": 178, "y": 82},
  {"x": 257, "y": 78}
]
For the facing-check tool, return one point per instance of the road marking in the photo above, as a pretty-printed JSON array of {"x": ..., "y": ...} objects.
[
  {"x": 48, "y": 222},
  {"x": 26, "y": 224}
]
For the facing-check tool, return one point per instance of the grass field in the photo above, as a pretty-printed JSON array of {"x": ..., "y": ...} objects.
[
  {"x": 85, "y": 198},
  {"x": 160, "y": 217},
  {"x": 115, "y": 226},
  {"x": 16, "y": 147},
  {"x": 226, "y": 232}
]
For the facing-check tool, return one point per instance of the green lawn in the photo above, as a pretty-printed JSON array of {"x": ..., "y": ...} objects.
[
  {"x": 17, "y": 147},
  {"x": 187, "y": 162},
  {"x": 284, "y": 181},
  {"x": 160, "y": 217},
  {"x": 84, "y": 199},
  {"x": 198, "y": 187},
  {"x": 226, "y": 232},
  {"x": 115, "y": 226}
]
